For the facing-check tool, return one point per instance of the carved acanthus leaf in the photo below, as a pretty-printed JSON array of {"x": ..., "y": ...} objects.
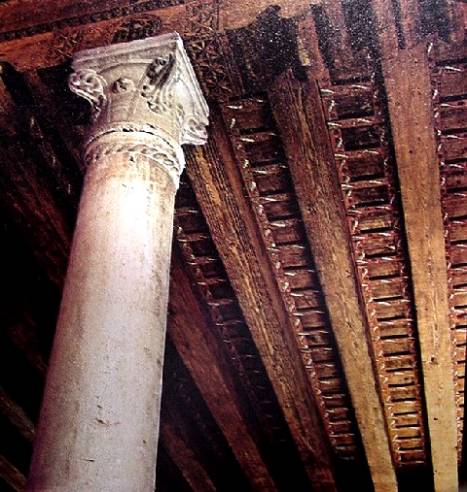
[
  {"x": 145, "y": 83},
  {"x": 89, "y": 84},
  {"x": 161, "y": 77},
  {"x": 194, "y": 130}
]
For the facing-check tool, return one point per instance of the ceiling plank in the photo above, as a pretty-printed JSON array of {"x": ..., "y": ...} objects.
[
  {"x": 12, "y": 476},
  {"x": 408, "y": 86},
  {"x": 297, "y": 110},
  {"x": 205, "y": 359},
  {"x": 217, "y": 186}
]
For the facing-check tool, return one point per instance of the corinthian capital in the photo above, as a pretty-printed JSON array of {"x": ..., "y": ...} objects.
[{"x": 145, "y": 86}]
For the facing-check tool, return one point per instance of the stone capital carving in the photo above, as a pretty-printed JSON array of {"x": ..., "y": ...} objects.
[{"x": 144, "y": 86}]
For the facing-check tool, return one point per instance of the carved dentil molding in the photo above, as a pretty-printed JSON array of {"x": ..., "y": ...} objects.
[{"x": 145, "y": 86}]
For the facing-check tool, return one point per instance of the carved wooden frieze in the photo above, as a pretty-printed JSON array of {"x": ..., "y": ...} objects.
[
  {"x": 202, "y": 18},
  {"x": 137, "y": 27},
  {"x": 88, "y": 18},
  {"x": 367, "y": 176},
  {"x": 216, "y": 67},
  {"x": 267, "y": 182},
  {"x": 448, "y": 75}
]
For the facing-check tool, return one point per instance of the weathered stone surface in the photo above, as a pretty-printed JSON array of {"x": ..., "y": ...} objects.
[{"x": 100, "y": 417}]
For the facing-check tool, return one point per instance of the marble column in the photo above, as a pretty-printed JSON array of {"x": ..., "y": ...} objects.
[{"x": 99, "y": 421}]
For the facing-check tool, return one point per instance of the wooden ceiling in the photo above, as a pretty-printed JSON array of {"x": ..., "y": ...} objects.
[{"x": 318, "y": 303}]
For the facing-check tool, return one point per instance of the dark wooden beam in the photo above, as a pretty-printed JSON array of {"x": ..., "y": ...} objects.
[
  {"x": 16, "y": 416},
  {"x": 168, "y": 475},
  {"x": 217, "y": 185},
  {"x": 23, "y": 335},
  {"x": 190, "y": 434},
  {"x": 205, "y": 359},
  {"x": 409, "y": 92},
  {"x": 298, "y": 113},
  {"x": 61, "y": 135},
  {"x": 12, "y": 476},
  {"x": 190, "y": 467},
  {"x": 26, "y": 189}
]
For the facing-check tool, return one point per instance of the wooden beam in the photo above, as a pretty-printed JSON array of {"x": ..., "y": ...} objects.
[
  {"x": 298, "y": 113},
  {"x": 203, "y": 356},
  {"x": 191, "y": 436},
  {"x": 24, "y": 335},
  {"x": 408, "y": 86},
  {"x": 168, "y": 475},
  {"x": 55, "y": 126},
  {"x": 181, "y": 454},
  {"x": 12, "y": 476},
  {"x": 217, "y": 185},
  {"x": 16, "y": 416},
  {"x": 27, "y": 191}
]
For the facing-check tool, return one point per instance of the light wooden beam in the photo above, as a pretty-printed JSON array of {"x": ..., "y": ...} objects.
[
  {"x": 298, "y": 113},
  {"x": 205, "y": 359},
  {"x": 218, "y": 189},
  {"x": 408, "y": 86}
]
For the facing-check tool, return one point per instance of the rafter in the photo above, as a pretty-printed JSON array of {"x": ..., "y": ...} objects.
[
  {"x": 190, "y": 467},
  {"x": 204, "y": 358},
  {"x": 298, "y": 113},
  {"x": 408, "y": 86},
  {"x": 16, "y": 415},
  {"x": 218, "y": 190},
  {"x": 26, "y": 188},
  {"x": 13, "y": 477}
]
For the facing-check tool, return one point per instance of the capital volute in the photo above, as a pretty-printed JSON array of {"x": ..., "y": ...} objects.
[{"x": 145, "y": 86}]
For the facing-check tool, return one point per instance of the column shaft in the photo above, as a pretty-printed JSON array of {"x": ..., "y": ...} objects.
[
  {"x": 99, "y": 421},
  {"x": 100, "y": 415}
]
